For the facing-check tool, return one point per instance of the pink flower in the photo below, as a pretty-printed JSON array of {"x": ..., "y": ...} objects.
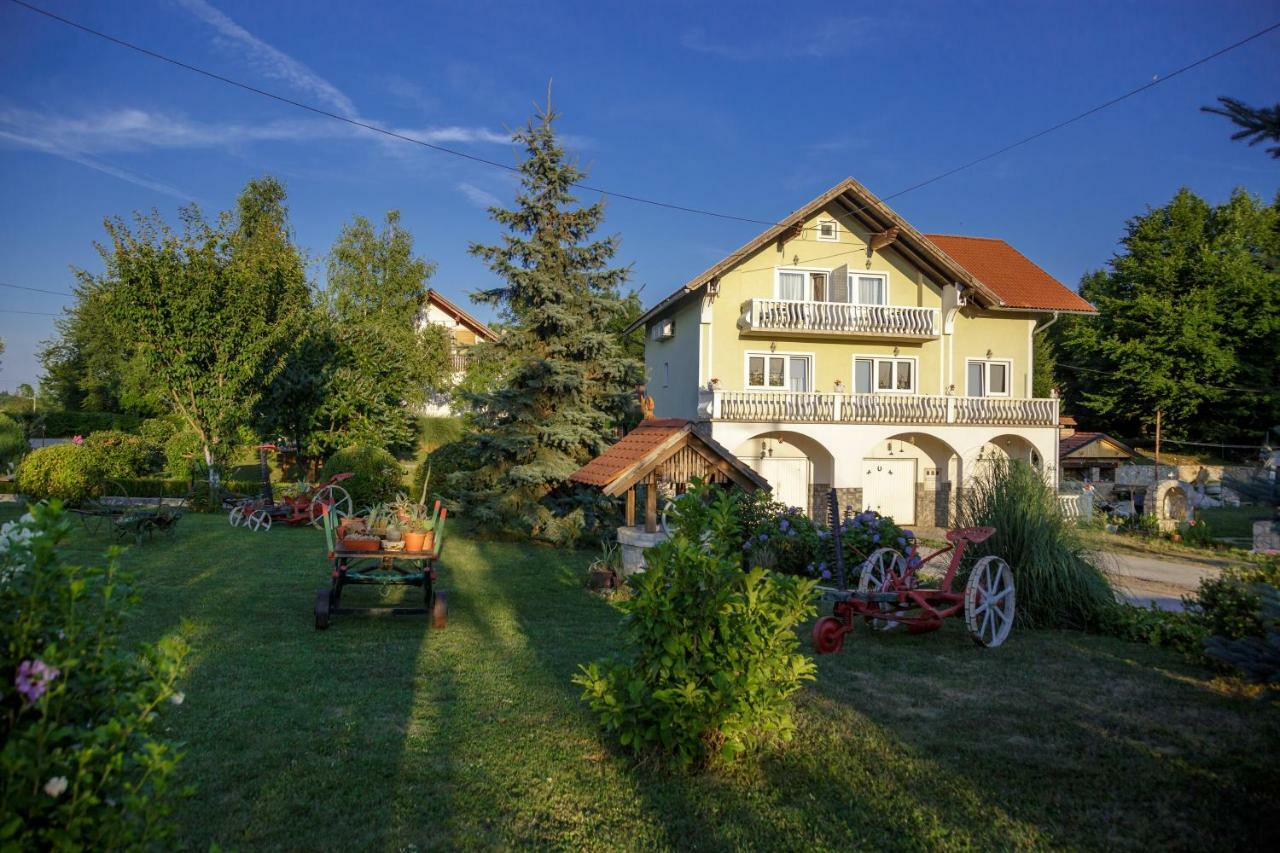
[
  {"x": 77, "y": 439},
  {"x": 33, "y": 679}
]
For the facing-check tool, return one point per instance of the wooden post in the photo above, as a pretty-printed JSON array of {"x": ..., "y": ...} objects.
[
  {"x": 631, "y": 507},
  {"x": 651, "y": 504},
  {"x": 1158, "y": 414}
]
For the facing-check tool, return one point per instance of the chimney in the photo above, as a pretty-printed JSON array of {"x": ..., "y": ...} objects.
[{"x": 1066, "y": 426}]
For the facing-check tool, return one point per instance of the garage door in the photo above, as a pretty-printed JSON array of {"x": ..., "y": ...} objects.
[
  {"x": 789, "y": 478},
  {"x": 889, "y": 487}
]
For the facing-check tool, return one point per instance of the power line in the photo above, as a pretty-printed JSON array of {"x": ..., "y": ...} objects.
[
  {"x": 36, "y": 289},
  {"x": 627, "y": 196},
  {"x": 33, "y": 313}
]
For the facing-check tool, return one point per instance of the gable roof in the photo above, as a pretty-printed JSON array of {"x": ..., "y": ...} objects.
[
  {"x": 650, "y": 444},
  {"x": 461, "y": 316},
  {"x": 1080, "y": 440},
  {"x": 1015, "y": 278},
  {"x": 861, "y": 206}
]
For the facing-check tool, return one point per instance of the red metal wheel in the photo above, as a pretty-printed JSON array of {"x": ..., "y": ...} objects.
[
  {"x": 828, "y": 635},
  {"x": 439, "y": 611}
]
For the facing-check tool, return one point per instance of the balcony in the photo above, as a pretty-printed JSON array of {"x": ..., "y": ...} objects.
[
  {"x": 838, "y": 319},
  {"x": 459, "y": 359},
  {"x": 816, "y": 407}
]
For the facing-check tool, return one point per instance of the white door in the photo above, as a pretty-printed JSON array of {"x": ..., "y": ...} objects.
[
  {"x": 789, "y": 478},
  {"x": 889, "y": 488}
]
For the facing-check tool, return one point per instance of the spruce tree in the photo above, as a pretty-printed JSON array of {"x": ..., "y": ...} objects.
[{"x": 567, "y": 383}]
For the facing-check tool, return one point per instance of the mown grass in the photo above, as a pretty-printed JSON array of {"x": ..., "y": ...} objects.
[
  {"x": 385, "y": 734},
  {"x": 1234, "y": 522}
]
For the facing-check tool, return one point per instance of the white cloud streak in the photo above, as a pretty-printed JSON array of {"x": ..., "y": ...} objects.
[
  {"x": 480, "y": 198},
  {"x": 832, "y": 37},
  {"x": 96, "y": 164},
  {"x": 270, "y": 60}
]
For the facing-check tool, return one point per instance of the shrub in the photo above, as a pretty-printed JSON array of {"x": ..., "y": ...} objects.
[
  {"x": 183, "y": 454},
  {"x": 714, "y": 660},
  {"x": 1196, "y": 532},
  {"x": 63, "y": 471},
  {"x": 119, "y": 455},
  {"x": 158, "y": 431},
  {"x": 377, "y": 474},
  {"x": 1256, "y": 657},
  {"x": 785, "y": 541},
  {"x": 13, "y": 442},
  {"x": 444, "y": 461},
  {"x": 1228, "y": 605},
  {"x": 1176, "y": 630},
  {"x": 80, "y": 765},
  {"x": 1138, "y": 524},
  {"x": 1059, "y": 586}
]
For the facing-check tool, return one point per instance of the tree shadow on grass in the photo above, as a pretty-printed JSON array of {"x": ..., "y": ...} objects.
[{"x": 290, "y": 733}]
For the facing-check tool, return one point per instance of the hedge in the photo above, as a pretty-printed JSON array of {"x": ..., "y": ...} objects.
[
  {"x": 377, "y": 474},
  {"x": 156, "y": 487},
  {"x": 62, "y": 471},
  {"x": 68, "y": 424}
]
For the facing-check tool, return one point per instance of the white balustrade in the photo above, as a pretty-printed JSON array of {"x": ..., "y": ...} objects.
[
  {"x": 840, "y": 318},
  {"x": 1076, "y": 507},
  {"x": 815, "y": 407}
]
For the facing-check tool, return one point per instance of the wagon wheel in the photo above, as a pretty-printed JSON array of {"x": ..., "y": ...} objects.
[
  {"x": 236, "y": 516},
  {"x": 439, "y": 611},
  {"x": 989, "y": 602},
  {"x": 336, "y": 500},
  {"x": 259, "y": 520},
  {"x": 828, "y": 635},
  {"x": 878, "y": 574},
  {"x": 322, "y": 609}
]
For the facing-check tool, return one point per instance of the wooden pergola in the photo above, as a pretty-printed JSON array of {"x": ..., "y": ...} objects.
[{"x": 663, "y": 451}]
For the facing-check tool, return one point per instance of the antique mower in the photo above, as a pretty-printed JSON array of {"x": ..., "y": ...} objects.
[
  {"x": 307, "y": 507},
  {"x": 889, "y": 593}
]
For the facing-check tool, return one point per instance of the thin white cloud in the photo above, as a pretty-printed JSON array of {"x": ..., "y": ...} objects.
[
  {"x": 96, "y": 164},
  {"x": 441, "y": 135},
  {"x": 270, "y": 60},
  {"x": 478, "y": 197},
  {"x": 832, "y": 37}
]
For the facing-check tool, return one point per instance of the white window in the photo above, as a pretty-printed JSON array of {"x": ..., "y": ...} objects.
[
  {"x": 869, "y": 289},
  {"x": 779, "y": 372},
  {"x": 884, "y": 375},
  {"x": 791, "y": 285},
  {"x": 988, "y": 378},
  {"x": 808, "y": 286},
  {"x": 827, "y": 231}
]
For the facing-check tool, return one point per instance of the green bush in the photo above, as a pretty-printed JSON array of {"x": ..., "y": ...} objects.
[
  {"x": 1178, "y": 630},
  {"x": 1257, "y": 658},
  {"x": 158, "y": 431},
  {"x": 63, "y": 471},
  {"x": 183, "y": 454},
  {"x": 377, "y": 474},
  {"x": 715, "y": 659},
  {"x": 1138, "y": 524},
  {"x": 81, "y": 766},
  {"x": 120, "y": 455},
  {"x": 434, "y": 432},
  {"x": 1196, "y": 532},
  {"x": 13, "y": 442},
  {"x": 1228, "y": 605},
  {"x": 1059, "y": 585}
]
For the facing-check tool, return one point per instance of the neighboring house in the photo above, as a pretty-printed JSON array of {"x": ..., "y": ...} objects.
[
  {"x": 465, "y": 330},
  {"x": 844, "y": 348},
  {"x": 1089, "y": 456}
]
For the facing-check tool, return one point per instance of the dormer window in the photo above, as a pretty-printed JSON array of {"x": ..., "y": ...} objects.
[{"x": 827, "y": 232}]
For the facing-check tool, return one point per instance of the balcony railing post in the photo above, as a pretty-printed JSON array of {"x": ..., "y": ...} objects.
[
  {"x": 951, "y": 410},
  {"x": 715, "y": 405}
]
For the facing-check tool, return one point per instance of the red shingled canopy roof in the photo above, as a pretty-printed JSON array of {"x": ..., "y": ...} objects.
[
  {"x": 1015, "y": 278},
  {"x": 649, "y": 435}
]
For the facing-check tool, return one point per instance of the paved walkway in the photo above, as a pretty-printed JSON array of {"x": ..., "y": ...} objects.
[{"x": 1148, "y": 579}]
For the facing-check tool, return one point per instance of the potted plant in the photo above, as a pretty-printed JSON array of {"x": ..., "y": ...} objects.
[
  {"x": 361, "y": 542},
  {"x": 352, "y": 524},
  {"x": 377, "y": 518},
  {"x": 605, "y": 573},
  {"x": 419, "y": 533}
]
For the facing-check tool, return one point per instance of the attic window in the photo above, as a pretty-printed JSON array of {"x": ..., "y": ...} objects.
[{"x": 827, "y": 231}]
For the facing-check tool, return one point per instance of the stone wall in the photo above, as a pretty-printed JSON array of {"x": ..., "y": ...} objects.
[{"x": 933, "y": 504}]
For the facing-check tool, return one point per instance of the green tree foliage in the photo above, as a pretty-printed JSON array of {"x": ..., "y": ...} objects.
[
  {"x": 212, "y": 311},
  {"x": 1044, "y": 362},
  {"x": 714, "y": 649},
  {"x": 362, "y": 363},
  {"x": 66, "y": 472},
  {"x": 377, "y": 475},
  {"x": 1189, "y": 322},
  {"x": 567, "y": 385},
  {"x": 1257, "y": 124}
]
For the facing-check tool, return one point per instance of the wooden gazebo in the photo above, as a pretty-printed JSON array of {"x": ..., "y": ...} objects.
[{"x": 663, "y": 451}]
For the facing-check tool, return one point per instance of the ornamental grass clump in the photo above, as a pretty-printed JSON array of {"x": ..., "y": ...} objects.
[
  {"x": 81, "y": 765},
  {"x": 1059, "y": 584},
  {"x": 714, "y": 660}
]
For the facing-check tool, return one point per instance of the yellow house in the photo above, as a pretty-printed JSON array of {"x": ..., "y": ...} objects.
[{"x": 842, "y": 347}]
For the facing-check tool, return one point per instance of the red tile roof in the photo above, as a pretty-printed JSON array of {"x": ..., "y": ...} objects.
[
  {"x": 1074, "y": 442},
  {"x": 634, "y": 447},
  {"x": 1015, "y": 278}
]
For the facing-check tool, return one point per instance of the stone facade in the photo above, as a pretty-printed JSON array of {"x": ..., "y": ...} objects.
[{"x": 933, "y": 505}]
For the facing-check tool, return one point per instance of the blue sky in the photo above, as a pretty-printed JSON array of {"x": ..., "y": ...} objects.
[{"x": 746, "y": 108}]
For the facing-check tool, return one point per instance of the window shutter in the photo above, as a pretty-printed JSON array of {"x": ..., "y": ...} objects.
[{"x": 838, "y": 289}]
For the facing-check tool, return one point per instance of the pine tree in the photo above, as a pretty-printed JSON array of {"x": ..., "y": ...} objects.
[
  {"x": 568, "y": 383},
  {"x": 1257, "y": 124}
]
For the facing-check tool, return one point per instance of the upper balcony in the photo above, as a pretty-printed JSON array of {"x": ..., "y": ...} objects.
[
  {"x": 907, "y": 409},
  {"x": 838, "y": 319}
]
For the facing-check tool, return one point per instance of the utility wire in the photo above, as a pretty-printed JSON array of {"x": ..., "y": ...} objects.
[
  {"x": 33, "y": 313},
  {"x": 36, "y": 289},
  {"x": 627, "y": 196}
]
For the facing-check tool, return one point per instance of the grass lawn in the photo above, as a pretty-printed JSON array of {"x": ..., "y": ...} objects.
[
  {"x": 386, "y": 734},
  {"x": 1234, "y": 521}
]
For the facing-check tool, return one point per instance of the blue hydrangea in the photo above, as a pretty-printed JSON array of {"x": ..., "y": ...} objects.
[
  {"x": 746, "y": 546},
  {"x": 783, "y": 525},
  {"x": 764, "y": 537},
  {"x": 875, "y": 537},
  {"x": 826, "y": 574},
  {"x": 901, "y": 541},
  {"x": 908, "y": 534}
]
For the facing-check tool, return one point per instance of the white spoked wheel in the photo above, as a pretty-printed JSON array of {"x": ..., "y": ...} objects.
[
  {"x": 236, "y": 515},
  {"x": 338, "y": 502},
  {"x": 989, "y": 602},
  {"x": 878, "y": 573},
  {"x": 260, "y": 520}
]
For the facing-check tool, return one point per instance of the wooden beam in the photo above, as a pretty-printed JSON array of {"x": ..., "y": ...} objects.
[
  {"x": 631, "y": 507},
  {"x": 651, "y": 505},
  {"x": 884, "y": 238}
]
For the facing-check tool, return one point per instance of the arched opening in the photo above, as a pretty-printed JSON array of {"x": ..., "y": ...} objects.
[
  {"x": 1008, "y": 447},
  {"x": 799, "y": 468},
  {"x": 908, "y": 476}
]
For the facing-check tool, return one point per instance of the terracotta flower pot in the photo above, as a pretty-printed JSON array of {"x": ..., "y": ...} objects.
[
  {"x": 361, "y": 544},
  {"x": 414, "y": 540}
]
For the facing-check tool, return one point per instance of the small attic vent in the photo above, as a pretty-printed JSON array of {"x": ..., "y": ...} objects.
[{"x": 663, "y": 330}]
